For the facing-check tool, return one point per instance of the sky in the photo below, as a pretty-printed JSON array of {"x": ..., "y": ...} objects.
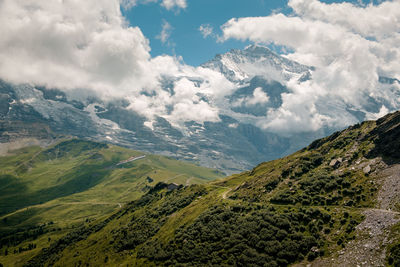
[
  {"x": 185, "y": 39},
  {"x": 148, "y": 53}
]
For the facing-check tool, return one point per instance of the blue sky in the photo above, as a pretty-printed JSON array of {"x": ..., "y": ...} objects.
[{"x": 186, "y": 40}]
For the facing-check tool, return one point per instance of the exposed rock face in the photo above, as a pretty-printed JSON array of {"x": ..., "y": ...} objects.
[
  {"x": 369, "y": 248},
  {"x": 235, "y": 143},
  {"x": 243, "y": 65},
  {"x": 335, "y": 163},
  {"x": 229, "y": 145},
  {"x": 373, "y": 234}
]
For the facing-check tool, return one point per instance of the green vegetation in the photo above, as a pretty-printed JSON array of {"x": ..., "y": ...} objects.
[
  {"x": 48, "y": 192},
  {"x": 394, "y": 255},
  {"x": 223, "y": 232},
  {"x": 228, "y": 235},
  {"x": 393, "y": 250},
  {"x": 290, "y": 210}
]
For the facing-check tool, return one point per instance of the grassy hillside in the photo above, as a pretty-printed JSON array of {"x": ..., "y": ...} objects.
[
  {"x": 49, "y": 191},
  {"x": 334, "y": 203}
]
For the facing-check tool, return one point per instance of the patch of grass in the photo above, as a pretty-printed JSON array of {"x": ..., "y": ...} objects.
[
  {"x": 393, "y": 249},
  {"x": 74, "y": 182}
]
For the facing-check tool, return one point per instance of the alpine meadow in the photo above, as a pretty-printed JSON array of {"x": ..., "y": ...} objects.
[{"x": 200, "y": 133}]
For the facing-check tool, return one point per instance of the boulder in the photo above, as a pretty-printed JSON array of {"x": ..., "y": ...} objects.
[
  {"x": 335, "y": 162},
  {"x": 367, "y": 169}
]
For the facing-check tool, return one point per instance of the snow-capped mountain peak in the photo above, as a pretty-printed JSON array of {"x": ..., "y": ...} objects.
[{"x": 254, "y": 60}]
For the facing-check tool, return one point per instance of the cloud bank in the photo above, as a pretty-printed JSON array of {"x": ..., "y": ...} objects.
[
  {"x": 350, "y": 46},
  {"x": 74, "y": 45}
]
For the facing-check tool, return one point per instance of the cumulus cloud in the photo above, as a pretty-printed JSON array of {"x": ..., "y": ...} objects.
[
  {"x": 73, "y": 44},
  {"x": 258, "y": 97},
  {"x": 170, "y": 4},
  {"x": 369, "y": 21},
  {"x": 193, "y": 96},
  {"x": 350, "y": 46}
]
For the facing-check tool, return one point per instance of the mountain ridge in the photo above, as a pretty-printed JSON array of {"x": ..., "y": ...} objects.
[
  {"x": 241, "y": 137},
  {"x": 318, "y": 202},
  {"x": 261, "y": 61}
]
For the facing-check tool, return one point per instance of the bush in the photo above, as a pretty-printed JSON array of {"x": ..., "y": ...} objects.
[
  {"x": 394, "y": 256},
  {"x": 254, "y": 236}
]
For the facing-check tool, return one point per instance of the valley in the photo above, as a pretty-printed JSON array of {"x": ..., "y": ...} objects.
[
  {"x": 237, "y": 141},
  {"x": 332, "y": 203},
  {"x": 50, "y": 190},
  {"x": 200, "y": 133}
]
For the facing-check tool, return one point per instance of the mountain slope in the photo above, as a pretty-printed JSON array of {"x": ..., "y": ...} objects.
[
  {"x": 326, "y": 201},
  {"x": 233, "y": 144},
  {"x": 263, "y": 111},
  {"x": 49, "y": 190},
  {"x": 242, "y": 65}
]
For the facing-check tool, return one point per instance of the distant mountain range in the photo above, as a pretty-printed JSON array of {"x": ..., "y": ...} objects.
[{"x": 233, "y": 144}]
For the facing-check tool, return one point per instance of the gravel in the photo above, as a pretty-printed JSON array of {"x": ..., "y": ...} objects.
[{"x": 373, "y": 234}]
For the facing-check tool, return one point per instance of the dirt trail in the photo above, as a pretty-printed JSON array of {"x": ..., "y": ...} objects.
[
  {"x": 389, "y": 194},
  {"x": 224, "y": 195},
  {"x": 130, "y": 160},
  {"x": 369, "y": 248},
  {"x": 188, "y": 181}
]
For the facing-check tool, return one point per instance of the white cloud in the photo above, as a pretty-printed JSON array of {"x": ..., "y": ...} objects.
[
  {"x": 206, "y": 30},
  {"x": 127, "y": 4},
  {"x": 350, "y": 46},
  {"x": 71, "y": 44},
  {"x": 167, "y": 4},
  {"x": 196, "y": 93},
  {"x": 368, "y": 21},
  {"x": 382, "y": 112},
  {"x": 258, "y": 97},
  {"x": 165, "y": 33},
  {"x": 170, "y": 4}
]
